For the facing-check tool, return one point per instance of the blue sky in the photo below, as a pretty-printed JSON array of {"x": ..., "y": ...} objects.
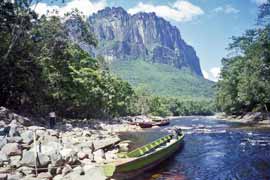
[{"x": 207, "y": 25}]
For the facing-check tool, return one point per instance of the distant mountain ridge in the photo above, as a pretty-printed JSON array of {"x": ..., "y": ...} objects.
[
  {"x": 122, "y": 36},
  {"x": 144, "y": 50}
]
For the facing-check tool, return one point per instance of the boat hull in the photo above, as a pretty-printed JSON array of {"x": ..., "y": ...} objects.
[{"x": 144, "y": 163}]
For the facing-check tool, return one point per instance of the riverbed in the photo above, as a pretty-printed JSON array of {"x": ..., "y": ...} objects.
[{"x": 213, "y": 150}]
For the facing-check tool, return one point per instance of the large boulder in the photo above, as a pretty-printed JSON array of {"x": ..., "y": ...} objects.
[
  {"x": 29, "y": 159},
  {"x": 12, "y": 149},
  {"x": 27, "y": 137}
]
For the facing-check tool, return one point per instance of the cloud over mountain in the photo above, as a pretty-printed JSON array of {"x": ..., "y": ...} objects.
[{"x": 179, "y": 11}]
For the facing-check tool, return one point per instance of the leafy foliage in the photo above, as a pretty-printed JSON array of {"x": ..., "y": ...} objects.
[
  {"x": 43, "y": 70},
  {"x": 163, "y": 80},
  {"x": 245, "y": 77}
]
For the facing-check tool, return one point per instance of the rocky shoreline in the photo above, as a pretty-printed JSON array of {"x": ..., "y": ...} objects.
[
  {"x": 258, "y": 119},
  {"x": 72, "y": 150}
]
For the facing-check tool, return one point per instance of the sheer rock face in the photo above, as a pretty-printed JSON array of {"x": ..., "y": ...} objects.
[{"x": 122, "y": 36}]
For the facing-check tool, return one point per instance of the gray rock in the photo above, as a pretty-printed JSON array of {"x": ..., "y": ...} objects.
[
  {"x": 15, "y": 161},
  {"x": 53, "y": 132},
  {"x": 28, "y": 137},
  {"x": 2, "y": 124},
  {"x": 4, "y": 131},
  {"x": 13, "y": 129},
  {"x": 3, "y": 176},
  {"x": 44, "y": 176},
  {"x": 58, "y": 177},
  {"x": 69, "y": 155},
  {"x": 3, "y": 157},
  {"x": 59, "y": 170},
  {"x": 3, "y": 141},
  {"x": 99, "y": 156},
  {"x": 35, "y": 128},
  {"x": 57, "y": 159},
  {"x": 26, "y": 170},
  {"x": 82, "y": 155},
  {"x": 12, "y": 149},
  {"x": 16, "y": 176},
  {"x": 90, "y": 174},
  {"x": 66, "y": 169},
  {"x": 15, "y": 139},
  {"x": 29, "y": 159}
]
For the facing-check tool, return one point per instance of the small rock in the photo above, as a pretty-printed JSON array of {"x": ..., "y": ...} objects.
[
  {"x": 16, "y": 176},
  {"x": 44, "y": 176},
  {"x": 66, "y": 169},
  {"x": 86, "y": 133},
  {"x": 79, "y": 170},
  {"x": 82, "y": 155},
  {"x": 58, "y": 177},
  {"x": 3, "y": 141},
  {"x": 28, "y": 137},
  {"x": 13, "y": 131},
  {"x": 3, "y": 157},
  {"x": 15, "y": 161},
  {"x": 15, "y": 139},
  {"x": 53, "y": 132},
  {"x": 56, "y": 159},
  {"x": 4, "y": 131},
  {"x": 3, "y": 176},
  {"x": 69, "y": 127},
  {"x": 26, "y": 170},
  {"x": 99, "y": 156},
  {"x": 123, "y": 146},
  {"x": 51, "y": 169},
  {"x": 59, "y": 170},
  {"x": 35, "y": 128},
  {"x": 12, "y": 149},
  {"x": 69, "y": 155}
]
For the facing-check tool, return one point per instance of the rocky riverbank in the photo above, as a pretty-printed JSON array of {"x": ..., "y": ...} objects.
[
  {"x": 73, "y": 150},
  {"x": 252, "y": 118}
]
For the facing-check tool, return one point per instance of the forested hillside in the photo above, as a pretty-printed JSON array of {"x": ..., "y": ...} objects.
[
  {"x": 163, "y": 80},
  {"x": 244, "y": 85}
]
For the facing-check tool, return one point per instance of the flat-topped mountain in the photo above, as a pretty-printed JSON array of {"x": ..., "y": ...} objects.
[{"x": 127, "y": 40}]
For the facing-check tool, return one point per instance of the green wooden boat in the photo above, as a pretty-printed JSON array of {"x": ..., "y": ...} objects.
[{"x": 143, "y": 158}]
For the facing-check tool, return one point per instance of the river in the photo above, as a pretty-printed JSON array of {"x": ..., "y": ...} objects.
[{"x": 213, "y": 150}]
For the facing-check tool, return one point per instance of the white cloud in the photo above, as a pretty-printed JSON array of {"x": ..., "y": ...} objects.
[
  {"x": 180, "y": 11},
  {"x": 85, "y": 6},
  {"x": 227, "y": 9},
  {"x": 205, "y": 74},
  {"x": 213, "y": 74},
  {"x": 259, "y": 2}
]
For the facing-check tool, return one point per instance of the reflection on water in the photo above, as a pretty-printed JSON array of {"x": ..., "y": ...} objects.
[{"x": 213, "y": 150}]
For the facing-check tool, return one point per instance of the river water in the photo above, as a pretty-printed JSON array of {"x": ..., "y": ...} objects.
[{"x": 213, "y": 150}]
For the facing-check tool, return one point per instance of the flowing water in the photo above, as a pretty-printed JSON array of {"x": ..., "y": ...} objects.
[{"x": 213, "y": 150}]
